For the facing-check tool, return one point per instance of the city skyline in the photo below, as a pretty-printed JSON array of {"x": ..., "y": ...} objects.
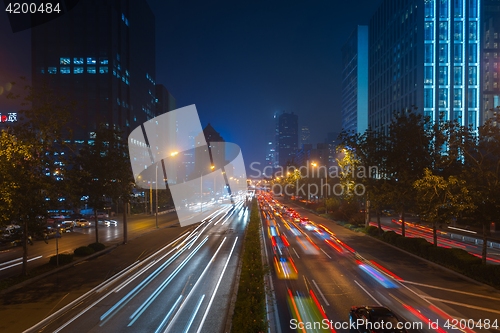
[{"x": 250, "y": 59}]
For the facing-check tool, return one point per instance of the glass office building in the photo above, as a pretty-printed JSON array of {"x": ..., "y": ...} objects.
[{"x": 426, "y": 55}]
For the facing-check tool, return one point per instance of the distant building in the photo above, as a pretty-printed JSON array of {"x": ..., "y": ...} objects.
[
  {"x": 101, "y": 55},
  {"x": 305, "y": 135},
  {"x": 217, "y": 156},
  {"x": 270, "y": 159},
  {"x": 287, "y": 138},
  {"x": 355, "y": 81}
]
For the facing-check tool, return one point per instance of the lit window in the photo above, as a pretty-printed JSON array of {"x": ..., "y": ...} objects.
[
  {"x": 42, "y": 70},
  {"x": 52, "y": 70},
  {"x": 78, "y": 61},
  {"x": 91, "y": 70},
  {"x": 78, "y": 70},
  {"x": 118, "y": 56},
  {"x": 103, "y": 69},
  {"x": 65, "y": 70},
  {"x": 103, "y": 61},
  {"x": 64, "y": 61},
  {"x": 91, "y": 61}
]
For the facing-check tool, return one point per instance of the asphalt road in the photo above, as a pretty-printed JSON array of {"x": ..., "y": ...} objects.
[
  {"x": 348, "y": 274},
  {"x": 184, "y": 286},
  {"x": 40, "y": 252}
]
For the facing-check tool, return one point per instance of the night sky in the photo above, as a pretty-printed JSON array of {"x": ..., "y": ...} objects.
[{"x": 241, "y": 61}]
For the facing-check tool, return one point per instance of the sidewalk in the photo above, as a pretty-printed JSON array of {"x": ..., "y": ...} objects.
[{"x": 23, "y": 308}]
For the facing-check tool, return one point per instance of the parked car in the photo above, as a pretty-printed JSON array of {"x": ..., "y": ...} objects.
[
  {"x": 82, "y": 223},
  {"x": 102, "y": 215}
]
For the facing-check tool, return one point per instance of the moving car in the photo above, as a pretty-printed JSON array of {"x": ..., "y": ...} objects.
[
  {"x": 82, "y": 223},
  {"x": 375, "y": 319},
  {"x": 110, "y": 222}
]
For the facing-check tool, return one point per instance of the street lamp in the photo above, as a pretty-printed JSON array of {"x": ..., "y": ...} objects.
[{"x": 314, "y": 164}]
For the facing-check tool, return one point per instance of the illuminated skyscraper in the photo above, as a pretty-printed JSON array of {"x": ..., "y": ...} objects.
[{"x": 426, "y": 54}]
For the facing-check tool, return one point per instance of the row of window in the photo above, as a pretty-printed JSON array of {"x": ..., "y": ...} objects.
[
  {"x": 77, "y": 70},
  {"x": 81, "y": 61},
  {"x": 458, "y": 10},
  {"x": 458, "y": 55},
  {"x": 443, "y": 101},
  {"x": 443, "y": 75},
  {"x": 443, "y": 31}
]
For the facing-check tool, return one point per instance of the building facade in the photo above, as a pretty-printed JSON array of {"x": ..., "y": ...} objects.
[
  {"x": 490, "y": 64},
  {"x": 287, "y": 138},
  {"x": 355, "y": 81},
  {"x": 101, "y": 55},
  {"x": 426, "y": 56}
]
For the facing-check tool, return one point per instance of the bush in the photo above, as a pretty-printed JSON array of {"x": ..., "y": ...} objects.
[
  {"x": 372, "y": 231},
  {"x": 320, "y": 210},
  {"x": 97, "y": 246},
  {"x": 83, "y": 251},
  {"x": 64, "y": 258}
]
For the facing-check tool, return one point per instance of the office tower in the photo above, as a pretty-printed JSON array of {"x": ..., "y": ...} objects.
[
  {"x": 101, "y": 55},
  {"x": 305, "y": 135},
  {"x": 490, "y": 65},
  {"x": 425, "y": 55},
  {"x": 355, "y": 81},
  {"x": 268, "y": 169},
  {"x": 288, "y": 138},
  {"x": 164, "y": 100}
]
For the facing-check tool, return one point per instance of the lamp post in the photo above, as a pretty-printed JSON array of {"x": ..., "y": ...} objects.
[{"x": 314, "y": 164}]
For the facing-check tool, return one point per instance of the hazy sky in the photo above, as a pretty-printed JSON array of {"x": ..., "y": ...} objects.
[{"x": 241, "y": 61}]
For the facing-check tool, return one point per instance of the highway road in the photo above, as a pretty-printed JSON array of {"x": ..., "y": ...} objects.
[
  {"x": 183, "y": 287},
  {"x": 40, "y": 252},
  {"x": 320, "y": 270}
]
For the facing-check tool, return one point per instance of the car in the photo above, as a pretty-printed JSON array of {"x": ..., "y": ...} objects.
[
  {"x": 102, "y": 215},
  {"x": 68, "y": 226},
  {"x": 375, "y": 319},
  {"x": 82, "y": 223},
  {"x": 110, "y": 222}
]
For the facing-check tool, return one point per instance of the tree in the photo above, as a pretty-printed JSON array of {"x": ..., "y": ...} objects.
[
  {"x": 481, "y": 151},
  {"x": 408, "y": 145},
  {"x": 441, "y": 199},
  {"x": 102, "y": 170},
  {"x": 42, "y": 124}
]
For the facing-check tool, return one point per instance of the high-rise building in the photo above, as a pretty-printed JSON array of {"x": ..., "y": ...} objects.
[
  {"x": 164, "y": 100},
  {"x": 490, "y": 64},
  {"x": 426, "y": 55},
  {"x": 270, "y": 159},
  {"x": 305, "y": 135},
  {"x": 355, "y": 81},
  {"x": 287, "y": 138},
  {"x": 101, "y": 55}
]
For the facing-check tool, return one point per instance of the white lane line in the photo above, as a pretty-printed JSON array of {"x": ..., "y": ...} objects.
[
  {"x": 460, "y": 304},
  {"x": 325, "y": 253},
  {"x": 19, "y": 263},
  {"x": 195, "y": 285},
  {"x": 366, "y": 291},
  {"x": 186, "y": 330},
  {"x": 164, "y": 321},
  {"x": 319, "y": 290},
  {"x": 216, "y": 287},
  {"x": 295, "y": 253},
  {"x": 452, "y": 290}
]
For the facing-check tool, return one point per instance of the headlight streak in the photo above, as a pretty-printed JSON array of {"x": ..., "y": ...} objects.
[
  {"x": 186, "y": 330},
  {"x": 294, "y": 305},
  {"x": 195, "y": 285},
  {"x": 197, "y": 236},
  {"x": 165, "y": 320},
  {"x": 19, "y": 263},
  {"x": 143, "y": 284},
  {"x": 216, "y": 288},
  {"x": 164, "y": 284},
  {"x": 377, "y": 277}
]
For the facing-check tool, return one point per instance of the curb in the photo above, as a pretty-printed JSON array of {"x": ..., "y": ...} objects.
[{"x": 56, "y": 270}]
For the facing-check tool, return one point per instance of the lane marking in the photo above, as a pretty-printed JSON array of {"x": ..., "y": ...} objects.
[
  {"x": 295, "y": 252},
  {"x": 216, "y": 288},
  {"x": 453, "y": 290},
  {"x": 366, "y": 291},
  {"x": 323, "y": 296},
  {"x": 325, "y": 253},
  {"x": 460, "y": 304}
]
